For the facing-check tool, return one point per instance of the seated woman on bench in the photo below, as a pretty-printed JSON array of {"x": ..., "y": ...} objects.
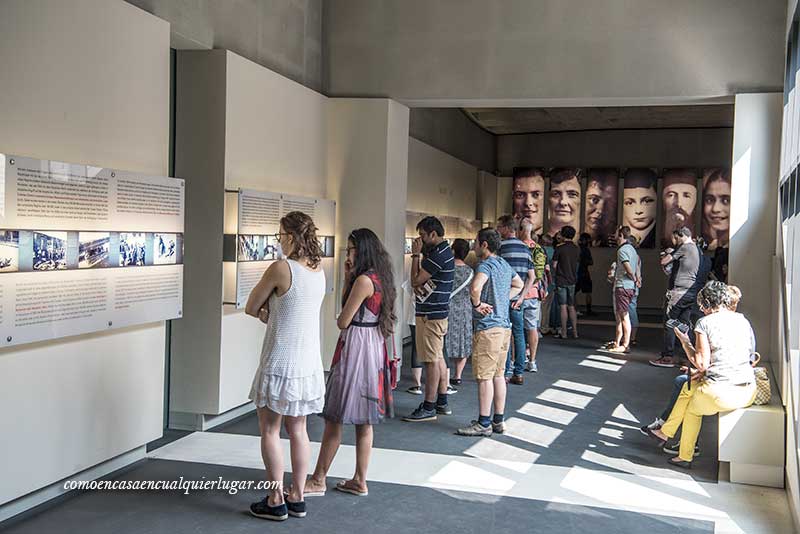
[{"x": 724, "y": 378}]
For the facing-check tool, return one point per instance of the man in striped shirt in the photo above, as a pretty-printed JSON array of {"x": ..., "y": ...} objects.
[
  {"x": 432, "y": 279},
  {"x": 518, "y": 256}
]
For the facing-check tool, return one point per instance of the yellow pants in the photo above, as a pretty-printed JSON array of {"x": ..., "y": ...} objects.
[{"x": 704, "y": 398}]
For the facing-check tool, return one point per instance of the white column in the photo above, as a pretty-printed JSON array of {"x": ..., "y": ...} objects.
[{"x": 754, "y": 204}]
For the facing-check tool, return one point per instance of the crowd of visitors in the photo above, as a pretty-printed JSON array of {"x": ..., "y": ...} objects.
[{"x": 524, "y": 286}]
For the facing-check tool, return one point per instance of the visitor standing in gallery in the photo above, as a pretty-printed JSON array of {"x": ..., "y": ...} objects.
[
  {"x": 289, "y": 383},
  {"x": 359, "y": 388}
]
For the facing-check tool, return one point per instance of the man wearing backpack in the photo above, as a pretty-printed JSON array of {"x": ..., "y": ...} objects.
[
  {"x": 538, "y": 292},
  {"x": 687, "y": 271},
  {"x": 518, "y": 256}
]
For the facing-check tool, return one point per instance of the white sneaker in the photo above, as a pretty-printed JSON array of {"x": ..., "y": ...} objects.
[{"x": 531, "y": 367}]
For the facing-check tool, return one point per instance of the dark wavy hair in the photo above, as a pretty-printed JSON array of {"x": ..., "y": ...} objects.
[
  {"x": 716, "y": 295},
  {"x": 304, "y": 233},
  {"x": 371, "y": 256}
]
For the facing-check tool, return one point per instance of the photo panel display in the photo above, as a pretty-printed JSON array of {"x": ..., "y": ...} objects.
[
  {"x": 600, "y": 206},
  {"x": 715, "y": 218},
  {"x": 678, "y": 202},
  {"x": 134, "y": 250},
  {"x": 564, "y": 200},
  {"x": 69, "y": 233},
  {"x": 49, "y": 251},
  {"x": 640, "y": 204},
  {"x": 249, "y": 248},
  {"x": 9, "y": 251},
  {"x": 94, "y": 250},
  {"x": 527, "y": 194},
  {"x": 165, "y": 249}
]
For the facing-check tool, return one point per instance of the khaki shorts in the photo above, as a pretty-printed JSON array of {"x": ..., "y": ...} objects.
[
  {"x": 489, "y": 351},
  {"x": 430, "y": 339}
]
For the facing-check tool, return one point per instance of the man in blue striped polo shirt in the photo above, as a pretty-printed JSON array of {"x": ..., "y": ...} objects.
[
  {"x": 432, "y": 279},
  {"x": 518, "y": 256}
]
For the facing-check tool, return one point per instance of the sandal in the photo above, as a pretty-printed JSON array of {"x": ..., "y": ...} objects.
[
  {"x": 346, "y": 487},
  {"x": 622, "y": 349},
  {"x": 306, "y": 492}
]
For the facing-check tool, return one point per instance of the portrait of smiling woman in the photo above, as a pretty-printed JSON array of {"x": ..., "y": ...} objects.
[
  {"x": 716, "y": 207},
  {"x": 639, "y": 205},
  {"x": 564, "y": 200}
]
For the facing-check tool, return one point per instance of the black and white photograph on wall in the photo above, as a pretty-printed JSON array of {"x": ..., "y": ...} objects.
[
  {"x": 271, "y": 245},
  {"x": 716, "y": 210},
  {"x": 600, "y": 207},
  {"x": 249, "y": 246},
  {"x": 165, "y": 249},
  {"x": 527, "y": 190},
  {"x": 132, "y": 249},
  {"x": 640, "y": 205},
  {"x": 93, "y": 249},
  {"x": 679, "y": 202},
  {"x": 9, "y": 251},
  {"x": 564, "y": 200},
  {"x": 49, "y": 251}
]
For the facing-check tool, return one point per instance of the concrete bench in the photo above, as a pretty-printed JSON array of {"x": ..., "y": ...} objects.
[{"x": 753, "y": 441}]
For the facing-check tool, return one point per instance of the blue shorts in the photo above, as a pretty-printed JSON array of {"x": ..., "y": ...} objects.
[
  {"x": 531, "y": 312},
  {"x": 566, "y": 295}
]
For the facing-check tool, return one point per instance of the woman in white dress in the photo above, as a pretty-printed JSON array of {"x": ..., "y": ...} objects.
[{"x": 289, "y": 383}]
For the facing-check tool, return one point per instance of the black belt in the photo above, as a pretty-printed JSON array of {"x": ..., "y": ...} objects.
[{"x": 364, "y": 325}]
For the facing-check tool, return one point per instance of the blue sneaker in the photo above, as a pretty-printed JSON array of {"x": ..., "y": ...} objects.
[{"x": 263, "y": 510}]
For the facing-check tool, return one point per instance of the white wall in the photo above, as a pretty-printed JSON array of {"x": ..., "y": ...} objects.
[
  {"x": 754, "y": 207},
  {"x": 367, "y": 173},
  {"x": 440, "y": 184},
  {"x": 84, "y": 81},
  {"x": 272, "y": 143},
  {"x": 239, "y": 125}
]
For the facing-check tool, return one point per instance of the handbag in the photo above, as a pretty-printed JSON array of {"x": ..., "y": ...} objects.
[
  {"x": 763, "y": 386},
  {"x": 462, "y": 286}
]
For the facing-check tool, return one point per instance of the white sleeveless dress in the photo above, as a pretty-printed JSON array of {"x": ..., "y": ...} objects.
[{"x": 290, "y": 379}]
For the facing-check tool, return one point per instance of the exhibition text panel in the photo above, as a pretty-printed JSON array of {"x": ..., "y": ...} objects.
[{"x": 85, "y": 249}]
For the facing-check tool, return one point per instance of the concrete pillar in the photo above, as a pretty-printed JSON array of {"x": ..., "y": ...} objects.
[
  {"x": 368, "y": 175},
  {"x": 754, "y": 204}
]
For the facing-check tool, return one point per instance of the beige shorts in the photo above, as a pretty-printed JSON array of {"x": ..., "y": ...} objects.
[
  {"x": 430, "y": 339},
  {"x": 489, "y": 352}
]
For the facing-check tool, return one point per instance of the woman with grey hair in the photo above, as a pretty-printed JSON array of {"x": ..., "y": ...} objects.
[{"x": 724, "y": 379}]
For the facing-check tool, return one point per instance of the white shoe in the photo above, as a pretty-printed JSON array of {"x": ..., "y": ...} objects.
[{"x": 531, "y": 367}]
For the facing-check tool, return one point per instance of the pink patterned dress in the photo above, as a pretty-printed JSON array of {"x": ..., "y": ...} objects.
[{"x": 358, "y": 390}]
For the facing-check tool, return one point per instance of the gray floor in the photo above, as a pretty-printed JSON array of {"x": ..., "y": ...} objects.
[
  {"x": 389, "y": 508},
  {"x": 640, "y": 387}
]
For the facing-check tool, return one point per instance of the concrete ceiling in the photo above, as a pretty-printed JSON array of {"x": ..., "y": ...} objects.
[{"x": 504, "y": 121}]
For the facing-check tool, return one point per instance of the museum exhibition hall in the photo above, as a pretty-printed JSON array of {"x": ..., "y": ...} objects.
[{"x": 403, "y": 265}]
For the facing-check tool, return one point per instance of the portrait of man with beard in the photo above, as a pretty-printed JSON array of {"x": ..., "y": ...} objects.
[
  {"x": 564, "y": 200},
  {"x": 600, "y": 219},
  {"x": 528, "y": 195},
  {"x": 679, "y": 198}
]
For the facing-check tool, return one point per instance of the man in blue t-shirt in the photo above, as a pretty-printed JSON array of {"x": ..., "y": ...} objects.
[
  {"x": 518, "y": 256},
  {"x": 432, "y": 280},
  {"x": 626, "y": 278},
  {"x": 494, "y": 286}
]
